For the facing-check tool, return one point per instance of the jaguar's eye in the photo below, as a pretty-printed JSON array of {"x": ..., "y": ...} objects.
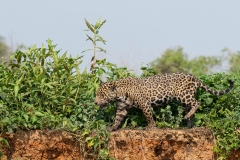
[{"x": 101, "y": 95}]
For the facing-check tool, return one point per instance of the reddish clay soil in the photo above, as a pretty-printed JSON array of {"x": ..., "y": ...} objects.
[
  {"x": 159, "y": 144},
  {"x": 41, "y": 145},
  {"x": 165, "y": 144}
]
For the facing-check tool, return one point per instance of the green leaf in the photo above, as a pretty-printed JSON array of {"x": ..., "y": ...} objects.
[
  {"x": 88, "y": 139},
  {"x": 209, "y": 100},
  {"x": 96, "y": 145},
  {"x": 134, "y": 123},
  {"x": 33, "y": 119},
  {"x": 16, "y": 89},
  {"x": 89, "y": 26},
  {"x": 65, "y": 121},
  {"x": 10, "y": 130},
  {"x": 26, "y": 117},
  {"x": 25, "y": 125},
  {"x": 98, "y": 23},
  {"x": 162, "y": 110},
  {"x": 89, "y": 38},
  {"x": 74, "y": 91},
  {"x": 101, "y": 49},
  {"x": 125, "y": 123},
  {"x": 91, "y": 143},
  {"x": 6, "y": 120},
  {"x": 100, "y": 39},
  {"x": 64, "y": 55},
  {"x": 104, "y": 152},
  {"x": 4, "y": 141},
  {"x": 100, "y": 71},
  {"x": 49, "y": 86},
  {"x": 86, "y": 50},
  {"x": 102, "y": 24},
  {"x": 37, "y": 113},
  {"x": 168, "y": 107},
  {"x": 221, "y": 111},
  {"x": 85, "y": 132}
]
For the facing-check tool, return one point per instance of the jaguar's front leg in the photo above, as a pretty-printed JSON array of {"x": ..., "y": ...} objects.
[{"x": 121, "y": 113}]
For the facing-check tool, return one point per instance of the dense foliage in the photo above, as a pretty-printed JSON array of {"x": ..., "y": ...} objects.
[
  {"x": 221, "y": 114},
  {"x": 41, "y": 89}
]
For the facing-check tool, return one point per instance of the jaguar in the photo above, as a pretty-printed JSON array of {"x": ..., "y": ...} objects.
[{"x": 150, "y": 91}]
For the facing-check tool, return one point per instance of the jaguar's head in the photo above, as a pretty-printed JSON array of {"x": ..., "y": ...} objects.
[{"x": 105, "y": 94}]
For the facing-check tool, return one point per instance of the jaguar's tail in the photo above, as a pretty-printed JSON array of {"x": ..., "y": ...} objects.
[{"x": 208, "y": 89}]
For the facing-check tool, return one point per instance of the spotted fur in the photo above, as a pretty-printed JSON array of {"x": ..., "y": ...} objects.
[{"x": 155, "y": 90}]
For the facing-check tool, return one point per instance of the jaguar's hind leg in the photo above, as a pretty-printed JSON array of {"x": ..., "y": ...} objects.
[
  {"x": 194, "y": 106},
  {"x": 190, "y": 120},
  {"x": 191, "y": 105}
]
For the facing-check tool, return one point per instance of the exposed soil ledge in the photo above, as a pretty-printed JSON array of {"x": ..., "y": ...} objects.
[
  {"x": 41, "y": 145},
  {"x": 160, "y": 144}
]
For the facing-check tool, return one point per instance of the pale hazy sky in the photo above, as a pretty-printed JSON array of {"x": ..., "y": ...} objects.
[{"x": 136, "y": 31}]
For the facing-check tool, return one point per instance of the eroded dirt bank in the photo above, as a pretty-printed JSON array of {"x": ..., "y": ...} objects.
[
  {"x": 161, "y": 144},
  {"x": 166, "y": 144},
  {"x": 41, "y": 145}
]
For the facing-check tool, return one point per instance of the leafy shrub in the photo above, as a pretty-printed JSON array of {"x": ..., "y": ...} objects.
[{"x": 39, "y": 88}]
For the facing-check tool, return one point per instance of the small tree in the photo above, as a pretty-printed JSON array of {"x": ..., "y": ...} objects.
[
  {"x": 175, "y": 60},
  {"x": 203, "y": 64},
  {"x": 172, "y": 60},
  {"x": 95, "y": 30}
]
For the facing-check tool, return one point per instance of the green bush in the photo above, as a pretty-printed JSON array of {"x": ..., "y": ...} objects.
[{"x": 39, "y": 88}]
